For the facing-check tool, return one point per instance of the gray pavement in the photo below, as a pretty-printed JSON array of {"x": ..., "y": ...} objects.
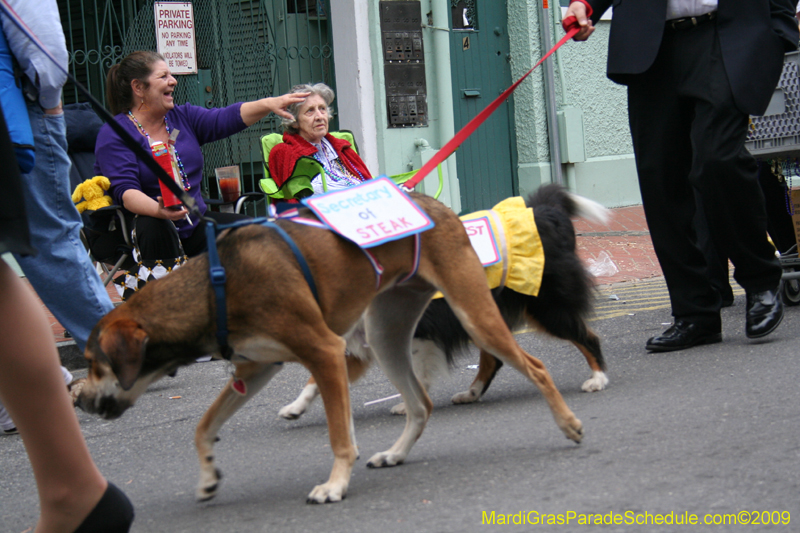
[{"x": 712, "y": 430}]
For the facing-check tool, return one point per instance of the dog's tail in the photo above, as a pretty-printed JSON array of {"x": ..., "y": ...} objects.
[{"x": 574, "y": 205}]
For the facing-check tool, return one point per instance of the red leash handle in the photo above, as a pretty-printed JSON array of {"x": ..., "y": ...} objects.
[
  {"x": 569, "y": 23},
  {"x": 479, "y": 119}
]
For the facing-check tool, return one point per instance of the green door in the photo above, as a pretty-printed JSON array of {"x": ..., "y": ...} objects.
[{"x": 479, "y": 52}]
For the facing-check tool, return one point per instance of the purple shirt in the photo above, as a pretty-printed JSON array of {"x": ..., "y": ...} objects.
[{"x": 197, "y": 126}]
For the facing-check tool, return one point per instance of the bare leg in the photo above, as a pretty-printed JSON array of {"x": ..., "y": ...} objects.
[{"x": 32, "y": 390}]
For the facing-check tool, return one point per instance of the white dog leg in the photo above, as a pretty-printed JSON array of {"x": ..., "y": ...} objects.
[
  {"x": 429, "y": 364},
  {"x": 473, "y": 394},
  {"x": 597, "y": 382},
  {"x": 390, "y": 322},
  {"x": 359, "y": 357},
  {"x": 295, "y": 410}
]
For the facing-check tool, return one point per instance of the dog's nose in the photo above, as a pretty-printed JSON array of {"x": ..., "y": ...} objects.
[
  {"x": 110, "y": 408},
  {"x": 84, "y": 403}
]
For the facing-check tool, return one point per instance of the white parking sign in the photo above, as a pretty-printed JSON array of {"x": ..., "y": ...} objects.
[{"x": 175, "y": 36}]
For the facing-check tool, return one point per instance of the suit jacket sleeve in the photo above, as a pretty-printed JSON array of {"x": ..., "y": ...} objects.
[
  {"x": 598, "y": 8},
  {"x": 784, "y": 21}
]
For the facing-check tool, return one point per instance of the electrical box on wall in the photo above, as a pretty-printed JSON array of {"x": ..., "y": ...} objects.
[
  {"x": 404, "y": 63},
  {"x": 570, "y": 132}
]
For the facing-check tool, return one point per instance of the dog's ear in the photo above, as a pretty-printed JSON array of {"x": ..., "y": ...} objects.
[{"x": 124, "y": 342}]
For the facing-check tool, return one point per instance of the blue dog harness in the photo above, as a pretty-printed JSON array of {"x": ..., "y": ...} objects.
[{"x": 218, "y": 278}]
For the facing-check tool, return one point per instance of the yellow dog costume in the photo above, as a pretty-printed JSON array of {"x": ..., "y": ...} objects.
[{"x": 518, "y": 245}]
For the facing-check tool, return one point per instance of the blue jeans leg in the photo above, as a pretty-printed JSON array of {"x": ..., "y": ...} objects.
[{"x": 61, "y": 273}]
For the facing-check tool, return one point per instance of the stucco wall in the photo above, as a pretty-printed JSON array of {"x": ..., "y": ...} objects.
[
  {"x": 608, "y": 175},
  {"x": 603, "y": 102},
  {"x": 529, "y": 101}
]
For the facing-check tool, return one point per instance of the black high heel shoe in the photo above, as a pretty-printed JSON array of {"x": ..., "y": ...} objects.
[{"x": 112, "y": 514}]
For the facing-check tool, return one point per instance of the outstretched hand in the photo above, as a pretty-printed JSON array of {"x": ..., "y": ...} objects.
[
  {"x": 254, "y": 111},
  {"x": 279, "y": 104}
]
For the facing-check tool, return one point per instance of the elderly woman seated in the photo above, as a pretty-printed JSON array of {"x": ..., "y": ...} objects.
[{"x": 306, "y": 135}]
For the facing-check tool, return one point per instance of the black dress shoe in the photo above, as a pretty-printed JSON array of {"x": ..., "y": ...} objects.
[
  {"x": 684, "y": 334},
  {"x": 764, "y": 312}
]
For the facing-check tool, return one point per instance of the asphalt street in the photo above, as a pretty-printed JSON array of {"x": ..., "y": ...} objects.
[{"x": 709, "y": 433}]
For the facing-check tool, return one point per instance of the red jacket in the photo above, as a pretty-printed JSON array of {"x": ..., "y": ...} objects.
[{"x": 284, "y": 156}]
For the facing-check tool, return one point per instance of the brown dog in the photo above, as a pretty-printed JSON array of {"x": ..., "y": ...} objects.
[{"x": 273, "y": 317}]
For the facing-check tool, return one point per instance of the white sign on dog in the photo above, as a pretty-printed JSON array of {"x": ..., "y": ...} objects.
[
  {"x": 371, "y": 213},
  {"x": 480, "y": 234},
  {"x": 175, "y": 36}
]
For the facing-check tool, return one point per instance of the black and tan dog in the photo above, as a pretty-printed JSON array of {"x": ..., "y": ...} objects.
[
  {"x": 273, "y": 317},
  {"x": 561, "y": 309}
]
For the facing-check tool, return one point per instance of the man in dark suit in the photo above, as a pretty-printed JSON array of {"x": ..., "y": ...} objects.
[{"x": 695, "y": 71}]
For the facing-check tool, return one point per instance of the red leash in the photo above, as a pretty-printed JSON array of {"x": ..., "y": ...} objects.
[{"x": 473, "y": 124}]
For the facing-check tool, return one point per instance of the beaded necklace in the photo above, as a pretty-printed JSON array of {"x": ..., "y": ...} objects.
[
  {"x": 333, "y": 165},
  {"x": 184, "y": 177}
]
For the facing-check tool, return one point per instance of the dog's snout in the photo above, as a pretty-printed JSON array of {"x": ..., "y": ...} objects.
[
  {"x": 106, "y": 407},
  {"x": 81, "y": 404},
  {"x": 111, "y": 408}
]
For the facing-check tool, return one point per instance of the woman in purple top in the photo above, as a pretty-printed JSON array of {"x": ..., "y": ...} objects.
[{"x": 139, "y": 91}]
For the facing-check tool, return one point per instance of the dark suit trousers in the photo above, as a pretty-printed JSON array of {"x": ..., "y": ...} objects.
[{"x": 688, "y": 137}]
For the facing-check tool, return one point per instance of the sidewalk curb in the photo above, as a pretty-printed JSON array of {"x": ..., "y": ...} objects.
[{"x": 71, "y": 357}]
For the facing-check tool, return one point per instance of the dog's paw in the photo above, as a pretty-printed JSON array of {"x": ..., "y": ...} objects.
[
  {"x": 291, "y": 411},
  {"x": 75, "y": 389},
  {"x": 573, "y": 429},
  {"x": 597, "y": 382},
  {"x": 327, "y": 493},
  {"x": 384, "y": 459},
  {"x": 209, "y": 483},
  {"x": 399, "y": 409},
  {"x": 468, "y": 396}
]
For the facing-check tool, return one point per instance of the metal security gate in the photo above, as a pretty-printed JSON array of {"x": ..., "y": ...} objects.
[{"x": 246, "y": 50}]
